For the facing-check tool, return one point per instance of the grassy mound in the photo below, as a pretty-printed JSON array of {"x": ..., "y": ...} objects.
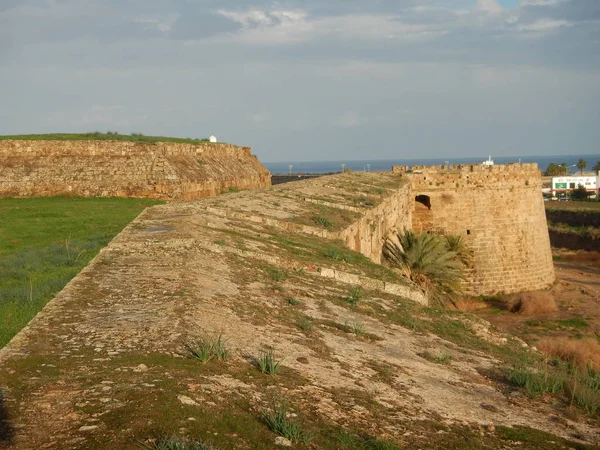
[{"x": 97, "y": 136}]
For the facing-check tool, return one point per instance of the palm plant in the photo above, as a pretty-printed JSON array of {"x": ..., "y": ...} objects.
[
  {"x": 456, "y": 244},
  {"x": 434, "y": 262}
]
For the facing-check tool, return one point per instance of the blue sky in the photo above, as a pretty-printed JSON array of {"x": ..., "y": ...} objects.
[{"x": 311, "y": 80}]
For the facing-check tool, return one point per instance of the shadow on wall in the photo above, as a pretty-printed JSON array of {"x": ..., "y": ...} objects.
[{"x": 6, "y": 431}]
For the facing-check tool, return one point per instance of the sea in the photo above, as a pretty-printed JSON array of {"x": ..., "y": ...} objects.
[{"x": 385, "y": 165}]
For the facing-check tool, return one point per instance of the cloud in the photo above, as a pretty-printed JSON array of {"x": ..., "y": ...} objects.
[
  {"x": 289, "y": 27},
  {"x": 163, "y": 24},
  {"x": 261, "y": 18},
  {"x": 544, "y": 25},
  {"x": 350, "y": 119},
  {"x": 491, "y": 6},
  {"x": 540, "y": 2}
]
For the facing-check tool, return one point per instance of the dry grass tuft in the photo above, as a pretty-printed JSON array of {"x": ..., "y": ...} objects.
[
  {"x": 532, "y": 303},
  {"x": 579, "y": 352}
]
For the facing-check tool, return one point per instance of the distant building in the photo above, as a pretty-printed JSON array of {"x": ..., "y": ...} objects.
[
  {"x": 489, "y": 162},
  {"x": 567, "y": 184},
  {"x": 213, "y": 138}
]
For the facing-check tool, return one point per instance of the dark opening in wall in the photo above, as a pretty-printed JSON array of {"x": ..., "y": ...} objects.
[
  {"x": 468, "y": 231},
  {"x": 424, "y": 199}
]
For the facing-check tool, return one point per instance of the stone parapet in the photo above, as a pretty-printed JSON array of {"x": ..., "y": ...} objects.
[{"x": 170, "y": 171}]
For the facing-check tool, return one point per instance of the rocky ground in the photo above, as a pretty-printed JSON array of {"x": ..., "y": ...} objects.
[{"x": 105, "y": 364}]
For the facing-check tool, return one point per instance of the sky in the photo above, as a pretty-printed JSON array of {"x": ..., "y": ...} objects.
[{"x": 312, "y": 79}]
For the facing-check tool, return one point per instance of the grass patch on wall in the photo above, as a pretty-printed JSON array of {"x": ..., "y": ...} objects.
[
  {"x": 99, "y": 136},
  {"x": 44, "y": 242}
]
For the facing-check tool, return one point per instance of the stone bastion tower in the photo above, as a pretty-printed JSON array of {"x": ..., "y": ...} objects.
[{"x": 500, "y": 212}]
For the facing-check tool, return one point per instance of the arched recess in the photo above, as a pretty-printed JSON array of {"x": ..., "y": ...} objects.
[
  {"x": 424, "y": 199},
  {"x": 422, "y": 216}
]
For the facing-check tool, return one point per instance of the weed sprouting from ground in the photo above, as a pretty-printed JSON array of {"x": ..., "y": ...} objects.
[
  {"x": 175, "y": 443},
  {"x": 277, "y": 420},
  {"x": 275, "y": 274},
  {"x": 357, "y": 328},
  {"x": 322, "y": 221},
  {"x": 439, "y": 358},
  {"x": 334, "y": 253},
  {"x": 306, "y": 324},
  {"x": 204, "y": 349},
  {"x": 354, "y": 296},
  {"x": 267, "y": 362},
  {"x": 220, "y": 351},
  {"x": 200, "y": 349},
  {"x": 293, "y": 301}
]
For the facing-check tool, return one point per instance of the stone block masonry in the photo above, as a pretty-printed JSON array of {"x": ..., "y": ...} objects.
[
  {"x": 367, "y": 235},
  {"x": 169, "y": 171},
  {"x": 500, "y": 212}
]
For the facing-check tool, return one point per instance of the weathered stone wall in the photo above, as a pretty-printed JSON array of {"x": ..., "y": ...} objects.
[
  {"x": 115, "y": 168},
  {"x": 500, "y": 212},
  {"x": 393, "y": 214}
]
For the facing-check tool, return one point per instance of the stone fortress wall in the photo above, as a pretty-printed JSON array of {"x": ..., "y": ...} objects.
[
  {"x": 368, "y": 234},
  {"x": 168, "y": 171},
  {"x": 499, "y": 211}
]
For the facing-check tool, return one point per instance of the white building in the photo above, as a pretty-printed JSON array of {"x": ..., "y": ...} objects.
[
  {"x": 489, "y": 162},
  {"x": 567, "y": 183},
  {"x": 213, "y": 138}
]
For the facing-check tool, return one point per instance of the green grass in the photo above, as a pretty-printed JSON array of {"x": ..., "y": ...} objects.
[
  {"x": 536, "y": 383},
  {"x": 44, "y": 242},
  {"x": 175, "y": 443},
  {"x": 349, "y": 440},
  {"x": 98, "y": 136},
  {"x": 575, "y": 323}
]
